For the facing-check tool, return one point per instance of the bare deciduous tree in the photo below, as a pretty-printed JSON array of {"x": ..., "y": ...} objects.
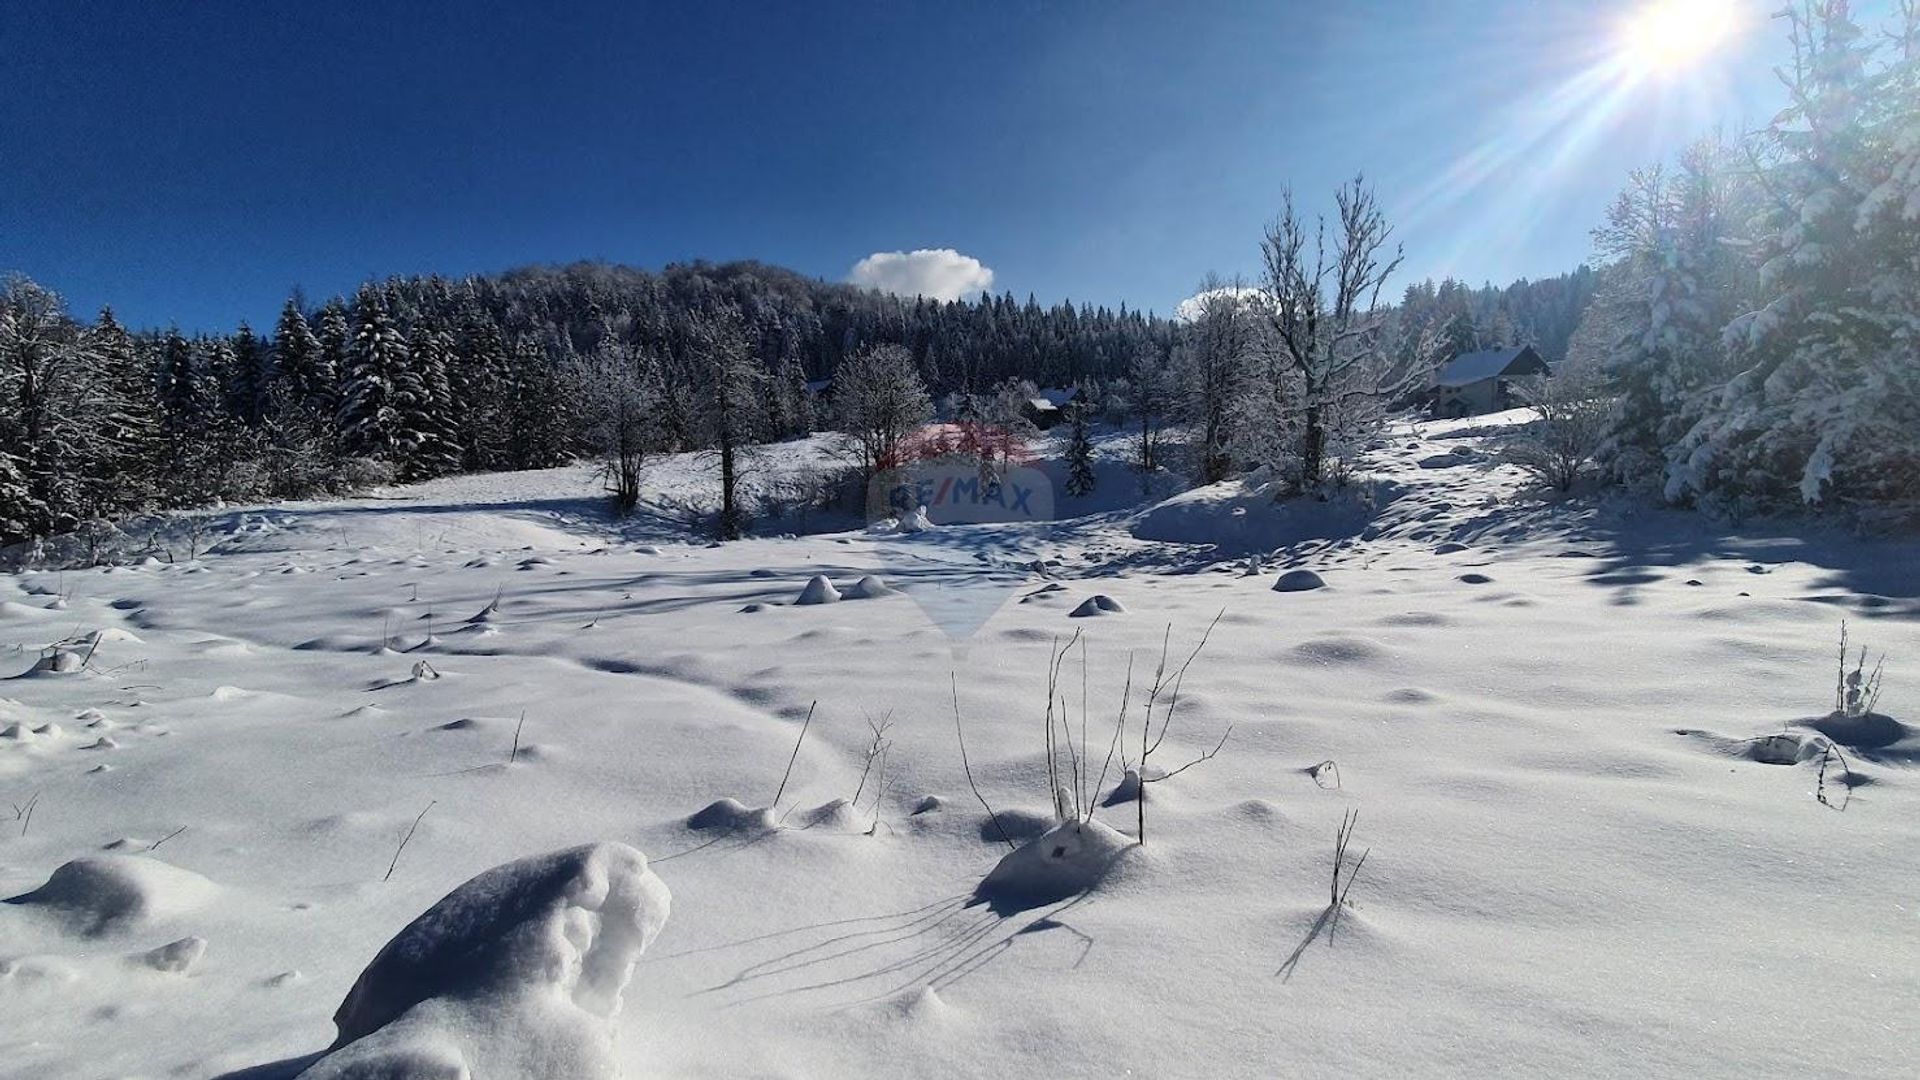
[
  {"x": 880, "y": 398},
  {"x": 1326, "y": 317}
]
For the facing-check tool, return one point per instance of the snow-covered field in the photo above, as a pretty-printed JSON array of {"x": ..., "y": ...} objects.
[{"x": 1579, "y": 860}]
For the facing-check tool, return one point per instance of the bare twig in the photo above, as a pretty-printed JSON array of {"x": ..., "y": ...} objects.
[
  {"x": 24, "y": 814},
  {"x": 1337, "y": 895},
  {"x": 1150, "y": 742},
  {"x": 954, "y": 684},
  {"x": 876, "y": 751},
  {"x": 1208, "y": 756},
  {"x": 405, "y": 839},
  {"x": 781, "y": 790},
  {"x": 1119, "y": 725},
  {"x": 514, "y": 754},
  {"x": 1832, "y": 752},
  {"x": 155, "y": 846}
]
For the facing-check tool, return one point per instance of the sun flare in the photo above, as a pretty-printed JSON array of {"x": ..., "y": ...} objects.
[{"x": 1669, "y": 35}]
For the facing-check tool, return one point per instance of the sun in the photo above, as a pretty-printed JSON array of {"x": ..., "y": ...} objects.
[{"x": 1671, "y": 35}]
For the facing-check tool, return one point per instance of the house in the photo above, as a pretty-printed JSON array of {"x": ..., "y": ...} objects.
[
  {"x": 819, "y": 389},
  {"x": 1480, "y": 382},
  {"x": 1048, "y": 407}
]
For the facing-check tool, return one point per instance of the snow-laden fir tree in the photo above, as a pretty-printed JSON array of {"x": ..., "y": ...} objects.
[
  {"x": 1824, "y": 408},
  {"x": 125, "y": 423},
  {"x": 425, "y": 404},
  {"x": 1671, "y": 290},
  {"x": 370, "y": 384},
  {"x": 250, "y": 378}
]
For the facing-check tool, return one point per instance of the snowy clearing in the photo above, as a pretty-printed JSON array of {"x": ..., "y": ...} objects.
[{"x": 1587, "y": 744}]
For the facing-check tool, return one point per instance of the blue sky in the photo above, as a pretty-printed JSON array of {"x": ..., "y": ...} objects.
[{"x": 192, "y": 162}]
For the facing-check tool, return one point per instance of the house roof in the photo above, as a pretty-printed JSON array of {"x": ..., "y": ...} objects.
[
  {"x": 1041, "y": 404},
  {"x": 1473, "y": 367},
  {"x": 1057, "y": 396}
]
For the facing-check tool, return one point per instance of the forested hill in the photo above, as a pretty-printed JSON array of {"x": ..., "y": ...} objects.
[{"x": 418, "y": 377}]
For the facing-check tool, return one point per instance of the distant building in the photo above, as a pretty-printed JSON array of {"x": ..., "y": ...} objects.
[
  {"x": 1048, "y": 407},
  {"x": 819, "y": 389},
  {"x": 1481, "y": 382}
]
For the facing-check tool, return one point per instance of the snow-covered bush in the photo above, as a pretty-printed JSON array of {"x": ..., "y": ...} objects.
[{"x": 1573, "y": 416}]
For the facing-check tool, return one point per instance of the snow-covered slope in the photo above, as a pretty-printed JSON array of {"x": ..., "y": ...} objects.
[{"x": 1544, "y": 711}]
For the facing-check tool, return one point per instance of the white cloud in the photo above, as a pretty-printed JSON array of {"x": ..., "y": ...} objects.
[
  {"x": 1189, "y": 309},
  {"x": 936, "y": 273}
]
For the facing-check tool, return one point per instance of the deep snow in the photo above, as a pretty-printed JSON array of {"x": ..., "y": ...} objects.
[{"x": 1542, "y": 708}]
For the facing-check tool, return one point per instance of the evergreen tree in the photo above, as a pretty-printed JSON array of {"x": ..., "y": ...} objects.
[
  {"x": 1080, "y": 479},
  {"x": 249, "y": 378},
  {"x": 324, "y": 384},
  {"x": 126, "y": 414},
  {"x": 296, "y": 359},
  {"x": 1825, "y": 405},
  {"x": 375, "y": 377}
]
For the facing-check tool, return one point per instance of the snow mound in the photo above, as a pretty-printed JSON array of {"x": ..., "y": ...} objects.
[
  {"x": 915, "y": 521},
  {"x": 517, "y": 973},
  {"x": 1299, "y": 581},
  {"x": 178, "y": 958},
  {"x": 1064, "y": 861},
  {"x": 1236, "y": 517},
  {"x": 870, "y": 588},
  {"x": 837, "y": 815},
  {"x": 101, "y": 894},
  {"x": 1874, "y": 736},
  {"x": 730, "y": 814},
  {"x": 1100, "y": 604},
  {"x": 819, "y": 591}
]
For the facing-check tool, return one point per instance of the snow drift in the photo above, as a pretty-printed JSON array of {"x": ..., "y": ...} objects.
[
  {"x": 517, "y": 973},
  {"x": 102, "y": 894}
]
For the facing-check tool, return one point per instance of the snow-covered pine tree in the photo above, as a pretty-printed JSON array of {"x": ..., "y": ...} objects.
[
  {"x": 477, "y": 379},
  {"x": 1673, "y": 289},
  {"x": 126, "y": 426},
  {"x": 540, "y": 423},
  {"x": 173, "y": 382},
  {"x": 334, "y": 333},
  {"x": 424, "y": 404},
  {"x": 296, "y": 359},
  {"x": 370, "y": 424},
  {"x": 1824, "y": 409},
  {"x": 40, "y": 426},
  {"x": 250, "y": 376},
  {"x": 1080, "y": 479}
]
